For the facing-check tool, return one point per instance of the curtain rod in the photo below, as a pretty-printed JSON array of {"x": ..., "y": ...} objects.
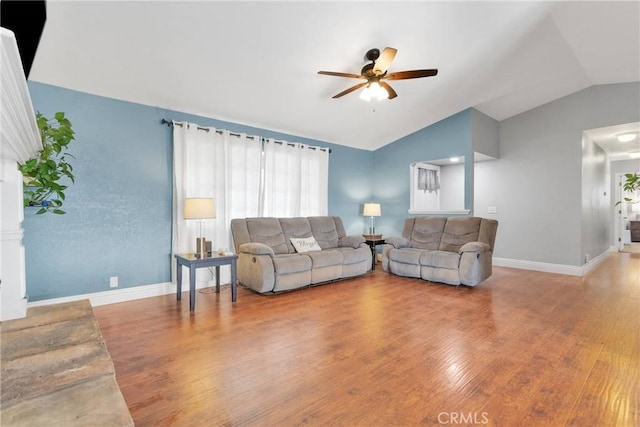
[
  {"x": 170, "y": 123},
  {"x": 220, "y": 131}
]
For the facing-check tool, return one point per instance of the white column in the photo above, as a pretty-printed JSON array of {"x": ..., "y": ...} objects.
[{"x": 13, "y": 285}]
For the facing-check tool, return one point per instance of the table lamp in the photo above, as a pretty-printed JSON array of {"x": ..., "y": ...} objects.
[
  {"x": 200, "y": 209},
  {"x": 372, "y": 210}
]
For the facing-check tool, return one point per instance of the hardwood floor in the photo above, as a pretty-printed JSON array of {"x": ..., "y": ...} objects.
[{"x": 523, "y": 348}]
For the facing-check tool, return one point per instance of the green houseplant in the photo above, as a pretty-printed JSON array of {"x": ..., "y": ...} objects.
[
  {"x": 631, "y": 184},
  {"x": 43, "y": 174}
]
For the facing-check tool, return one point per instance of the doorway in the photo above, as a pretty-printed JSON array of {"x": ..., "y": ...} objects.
[{"x": 628, "y": 219}]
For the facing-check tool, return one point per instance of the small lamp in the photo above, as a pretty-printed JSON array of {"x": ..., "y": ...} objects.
[
  {"x": 200, "y": 209},
  {"x": 371, "y": 210}
]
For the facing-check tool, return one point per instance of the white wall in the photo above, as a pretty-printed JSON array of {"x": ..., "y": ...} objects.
[
  {"x": 485, "y": 134},
  {"x": 537, "y": 182},
  {"x": 452, "y": 187}
]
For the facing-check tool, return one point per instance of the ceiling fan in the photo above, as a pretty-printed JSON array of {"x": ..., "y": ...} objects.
[{"x": 375, "y": 72}]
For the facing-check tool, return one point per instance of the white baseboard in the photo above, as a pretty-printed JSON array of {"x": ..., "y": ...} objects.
[
  {"x": 121, "y": 295},
  {"x": 572, "y": 270},
  {"x": 147, "y": 291},
  {"x": 538, "y": 266},
  {"x": 597, "y": 260}
]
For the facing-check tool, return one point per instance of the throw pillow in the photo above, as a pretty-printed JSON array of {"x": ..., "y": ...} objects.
[{"x": 305, "y": 244}]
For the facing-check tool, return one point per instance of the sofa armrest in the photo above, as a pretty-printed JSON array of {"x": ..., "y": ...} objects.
[
  {"x": 398, "y": 242},
  {"x": 351, "y": 241},
  {"x": 256, "y": 249},
  {"x": 475, "y": 247}
]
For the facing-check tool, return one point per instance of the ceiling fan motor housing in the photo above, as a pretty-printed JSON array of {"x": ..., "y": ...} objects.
[
  {"x": 367, "y": 70},
  {"x": 373, "y": 54}
]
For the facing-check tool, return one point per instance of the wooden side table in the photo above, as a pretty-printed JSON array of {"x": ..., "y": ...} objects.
[
  {"x": 190, "y": 260},
  {"x": 372, "y": 242}
]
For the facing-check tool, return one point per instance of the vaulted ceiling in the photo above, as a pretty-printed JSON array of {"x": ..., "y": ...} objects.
[{"x": 256, "y": 63}]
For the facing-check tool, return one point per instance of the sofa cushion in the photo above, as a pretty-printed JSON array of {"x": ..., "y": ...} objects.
[
  {"x": 291, "y": 263},
  {"x": 427, "y": 232},
  {"x": 403, "y": 269},
  {"x": 406, "y": 255},
  {"x": 459, "y": 231},
  {"x": 324, "y": 230},
  {"x": 269, "y": 232},
  {"x": 256, "y": 249},
  {"x": 488, "y": 230},
  {"x": 407, "y": 228},
  {"x": 295, "y": 227},
  {"x": 305, "y": 244},
  {"x": 398, "y": 242},
  {"x": 325, "y": 258},
  {"x": 353, "y": 256},
  {"x": 475, "y": 247},
  {"x": 440, "y": 259},
  {"x": 442, "y": 275},
  {"x": 351, "y": 241}
]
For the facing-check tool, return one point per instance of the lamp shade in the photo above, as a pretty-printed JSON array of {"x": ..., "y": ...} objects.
[
  {"x": 371, "y": 209},
  {"x": 199, "y": 208}
]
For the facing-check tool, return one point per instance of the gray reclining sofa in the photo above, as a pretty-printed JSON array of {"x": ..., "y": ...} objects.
[
  {"x": 454, "y": 251},
  {"x": 268, "y": 261}
]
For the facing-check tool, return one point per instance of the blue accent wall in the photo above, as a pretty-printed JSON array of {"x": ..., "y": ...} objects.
[
  {"x": 444, "y": 139},
  {"x": 118, "y": 220}
]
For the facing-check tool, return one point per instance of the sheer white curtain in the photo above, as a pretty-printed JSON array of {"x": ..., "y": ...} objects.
[
  {"x": 246, "y": 178},
  {"x": 210, "y": 163},
  {"x": 295, "y": 179},
  {"x": 314, "y": 180}
]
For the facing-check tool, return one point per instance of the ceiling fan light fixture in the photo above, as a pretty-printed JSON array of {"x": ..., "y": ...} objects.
[
  {"x": 365, "y": 95},
  {"x": 374, "y": 90},
  {"x": 627, "y": 136}
]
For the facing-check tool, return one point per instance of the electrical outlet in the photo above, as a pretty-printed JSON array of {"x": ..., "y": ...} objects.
[
  {"x": 113, "y": 282},
  {"x": 492, "y": 210}
]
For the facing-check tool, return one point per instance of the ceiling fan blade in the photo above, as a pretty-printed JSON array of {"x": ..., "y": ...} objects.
[
  {"x": 351, "y": 89},
  {"x": 385, "y": 59},
  {"x": 334, "y": 73},
  {"x": 392, "y": 93},
  {"x": 412, "y": 74}
]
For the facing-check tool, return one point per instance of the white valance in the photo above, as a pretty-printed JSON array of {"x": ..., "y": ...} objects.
[
  {"x": 428, "y": 180},
  {"x": 20, "y": 138}
]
